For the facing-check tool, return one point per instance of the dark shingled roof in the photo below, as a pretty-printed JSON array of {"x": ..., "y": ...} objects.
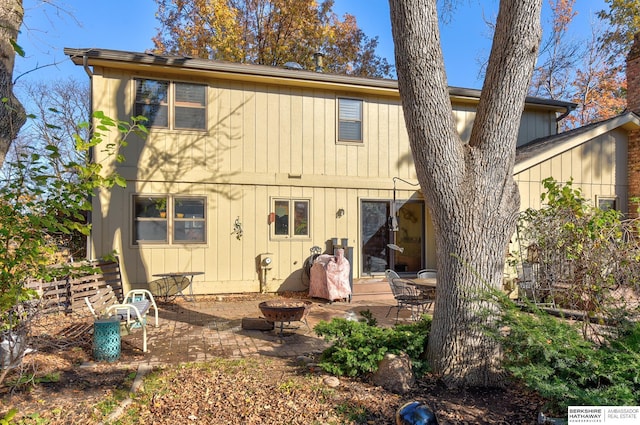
[
  {"x": 79, "y": 55},
  {"x": 539, "y": 147}
]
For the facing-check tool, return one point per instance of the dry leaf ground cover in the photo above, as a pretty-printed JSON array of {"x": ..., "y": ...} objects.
[{"x": 206, "y": 370}]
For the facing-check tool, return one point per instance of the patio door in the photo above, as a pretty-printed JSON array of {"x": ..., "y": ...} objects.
[{"x": 378, "y": 234}]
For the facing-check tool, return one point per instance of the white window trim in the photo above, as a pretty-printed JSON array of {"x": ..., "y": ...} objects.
[
  {"x": 608, "y": 198},
  {"x": 171, "y": 104},
  {"x": 338, "y": 120},
  {"x": 291, "y": 233},
  {"x": 170, "y": 219}
]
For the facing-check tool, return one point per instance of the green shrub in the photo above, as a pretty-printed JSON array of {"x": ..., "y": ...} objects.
[
  {"x": 591, "y": 251},
  {"x": 358, "y": 347},
  {"x": 551, "y": 357},
  {"x": 44, "y": 198},
  {"x": 8, "y": 417}
]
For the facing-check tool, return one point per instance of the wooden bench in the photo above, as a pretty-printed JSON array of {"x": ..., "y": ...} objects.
[{"x": 132, "y": 312}]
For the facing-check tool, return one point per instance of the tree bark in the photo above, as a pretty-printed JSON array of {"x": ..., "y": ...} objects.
[
  {"x": 469, "y": 188},
  {"x": 12, "y": 115}
]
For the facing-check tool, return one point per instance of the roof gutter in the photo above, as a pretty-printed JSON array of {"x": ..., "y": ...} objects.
[
  {"x": 269, "y": 74},
  {"x": 570, "y": 108}
]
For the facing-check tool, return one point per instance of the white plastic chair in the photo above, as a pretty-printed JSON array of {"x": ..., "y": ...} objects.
[{"x": 131, "y": 313}]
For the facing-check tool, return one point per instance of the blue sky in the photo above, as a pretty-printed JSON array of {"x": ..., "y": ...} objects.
[{"x": 130, "y": 25}]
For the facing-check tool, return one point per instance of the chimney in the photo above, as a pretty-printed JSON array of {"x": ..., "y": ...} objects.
[
  {"x": 317, "y": 58},
  {"x": 633, "y": 104},
  {"x": 633, "y": 76}
]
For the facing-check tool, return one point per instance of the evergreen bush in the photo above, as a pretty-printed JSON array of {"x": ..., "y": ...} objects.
[
  {"x": 551, "y": 356},
  {"x": 358, "y": 346}
]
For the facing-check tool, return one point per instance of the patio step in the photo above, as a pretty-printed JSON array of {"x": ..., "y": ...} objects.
[{"x": 371, "y": 290}]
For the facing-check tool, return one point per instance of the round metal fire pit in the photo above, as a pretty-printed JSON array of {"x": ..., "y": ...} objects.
[{"x": 284, "y": 311}]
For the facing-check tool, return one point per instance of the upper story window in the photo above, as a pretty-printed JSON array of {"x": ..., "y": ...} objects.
[
  {"x": 349, "y": 120},
  {"x": 172, "y": 104},
  {"x": 168, "y": 220},
  {"x": 291, "y": 218},
  {"x": 190, "y": 106},
  {"x": 152, "y": 101}
]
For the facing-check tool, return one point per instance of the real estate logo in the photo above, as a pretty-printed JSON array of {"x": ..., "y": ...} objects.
[{"x": 615, "y": 415}]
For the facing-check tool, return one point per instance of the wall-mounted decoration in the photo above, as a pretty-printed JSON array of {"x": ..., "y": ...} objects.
[{"x": 237, "y": 229}]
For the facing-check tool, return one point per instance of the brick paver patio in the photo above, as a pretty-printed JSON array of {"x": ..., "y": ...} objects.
[{"x": 212, "y": 327}]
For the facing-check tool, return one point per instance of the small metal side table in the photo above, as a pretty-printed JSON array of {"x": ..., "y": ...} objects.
[
  {"x": 176, "y": 277},
  {"x": 106, "y": 339}
]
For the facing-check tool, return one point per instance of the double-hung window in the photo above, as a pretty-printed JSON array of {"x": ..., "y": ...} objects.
[
  {"x": 175, "y": 105},
  {"x": 168, "y": 219},
  {"x": 291, "y": 218},
  {"x": 349, "y": 120}
]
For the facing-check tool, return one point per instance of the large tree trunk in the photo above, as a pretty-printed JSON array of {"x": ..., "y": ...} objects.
[
  {"x": 12, "y": 115},
  {"x": 469, "y": 188}
]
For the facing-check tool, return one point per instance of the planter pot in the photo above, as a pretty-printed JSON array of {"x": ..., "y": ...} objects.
[
  {"x": 12, "y": 348},
  {"x": 106, "y": 339}
]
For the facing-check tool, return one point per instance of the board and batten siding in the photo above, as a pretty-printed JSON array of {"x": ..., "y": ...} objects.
[
  {"x": 262, "y": 142},
  {"x": 535, "y": 123},
  {"x": 259, "y": 131},
  {"x": 598, "y": 168},
  {"x": 229, "y": 263}
]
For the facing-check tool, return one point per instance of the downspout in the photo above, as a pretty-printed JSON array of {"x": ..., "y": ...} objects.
[
  {"x": 85, "y": 65},
  {"x": 563, "y": 116}
]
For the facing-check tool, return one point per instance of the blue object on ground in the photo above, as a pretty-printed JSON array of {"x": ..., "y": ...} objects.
[{"x": 415, "y": 413}]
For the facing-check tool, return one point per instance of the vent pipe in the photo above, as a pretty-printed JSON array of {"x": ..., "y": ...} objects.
[{"x": 317, "y": 58}]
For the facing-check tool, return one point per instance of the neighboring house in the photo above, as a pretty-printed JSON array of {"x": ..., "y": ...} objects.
[
  {"x": 594, "y": 156},
  {"x": 244, "y": 161},
  {"x": 602, "y": 158}
]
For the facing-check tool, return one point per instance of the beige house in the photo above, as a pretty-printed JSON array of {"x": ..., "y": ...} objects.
[
  {"x": 244, "y": 162},
  {"x": 594, "y": 156}
]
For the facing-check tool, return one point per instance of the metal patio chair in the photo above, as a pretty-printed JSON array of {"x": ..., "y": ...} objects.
[{"x": 410, "y": 297}]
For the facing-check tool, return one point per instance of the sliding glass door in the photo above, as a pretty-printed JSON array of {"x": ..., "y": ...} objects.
[{"x": 387, "y": 245}]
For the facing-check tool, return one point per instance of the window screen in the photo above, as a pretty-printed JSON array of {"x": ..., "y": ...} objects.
[
  {"x": 189, "y": 220},
  {"x": 150, "y": 219},
  {"x": 282, "y": 218},
  {"x": 169, "y": 219},
  {"x": 184, "y": 106},
  {"x": 607, "y": 203},
  {"x": 301, "y": 218}
]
